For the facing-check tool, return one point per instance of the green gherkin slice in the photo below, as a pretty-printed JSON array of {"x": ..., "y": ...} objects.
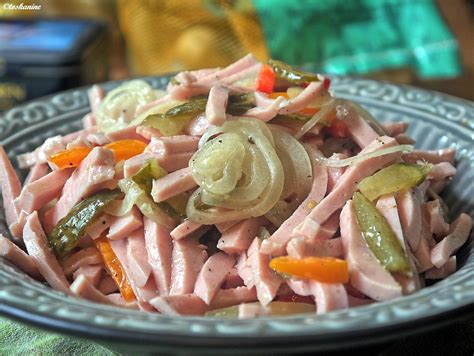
[
  {"x": 379, "y": 236},
  {"x": 70, "y": 228},
  {"x": 392, "y": 179}
]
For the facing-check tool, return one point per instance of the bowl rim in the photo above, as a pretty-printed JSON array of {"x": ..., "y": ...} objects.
[{"x": 400, "y": 326}]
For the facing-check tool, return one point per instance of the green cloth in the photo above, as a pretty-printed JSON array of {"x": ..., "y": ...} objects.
[
  {"x": 19, "y": 339},
  {"x": 360, "y": 36}
]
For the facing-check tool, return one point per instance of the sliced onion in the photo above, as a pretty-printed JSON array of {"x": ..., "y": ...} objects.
[
  {"x": 320, "y": 115},
  {"x": 331, "y": 162},
  {"x": 261, "y": 175},
  {"x": 211, "y": 131},
  {"x": 296, "y": 164},
  {"x": 217, "y": 166},
  {"x": 118, "y": 108}
]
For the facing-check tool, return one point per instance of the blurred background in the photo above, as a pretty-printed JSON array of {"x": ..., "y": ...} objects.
[{"x": 51, "y": 45}]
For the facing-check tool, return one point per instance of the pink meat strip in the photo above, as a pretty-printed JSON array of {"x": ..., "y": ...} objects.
[
  {"x": 266, "y": 113},
  {"x": 41, "y": 154},
  {"x": 213, "y": 275},
  {"x": 37, "y": 194},
  {"x": 172, "y": 184},
  {"x": 233, "y": 280},
  {"x": 93, "y": 273},
  {"x": 224, "y": 226},
  {"x": 237, "y": 70},
  {"x": 123, "y": 226},
  {"x": 233, "y": 296},
  {"x": 329, "y": 296},
  {"x": 366, "y": 273},
  {"x": 162, "y": 146},
  {"x": 16, "y": 229},
  {"x": 395, "y": 128},
  {"x": 97, "y": 139},
  {"x": 300, "y": 247},
  {"x": 127, "y": 133},
  {"x": 444, "y": 271},
  {"x": 183, "y": 304},
  {"x": 187, "y": 260},
  {"x": 299, "y": 287},
  {"x": 175, "y": 161},
  {"x": 242, "y": 64},
  {"x": 89, "y": 121},
  {"x": 137, "y": 257},
  {"x": 266, "y": 281},
  {"x": 83, "y": 288},
  {"x": 202, "y": 73},
  {"x": 216, "y": 105},
  {"x": 97, "y": 227},
  {"x": 92, "y": 175},
  {"x": 191, "y": 304},
  {"x": 96, "y": 96},
  {"x": 346, "y": 187},
  {"x": 387, "y": 206},
  {"x": 18, "y": 257},
  {"x": 234, "y": 81},
  {"x": 404, "y": 139},
  {"x": 197, "y": 126},
  {"x": 85, "y": 257},
  {"x": 438, "y": 156},
  {"x": 148, "y": 132},
  {"x": 441, "y": 171},
  {"x": 311, "y": 92},
  {"x": 409, "y": 211},
  {"x": 38, "y": 248},
  {"x": 132, "y": 165},
  {"x": 422, "y": 253},
  {"x": 185, "y": 78},
  {"x": 117, "y": 299},
  {"x": 184, "y": 92},
  {"x": 458, "y": 235},
  {"x": 359, "y": 130},
  {"x": 145, "y": 293},
  {"x": 438, "y": 225},
  {"x": 244, "y": 270},
  {"x": 38, "y": 171},
  {"x": 335, "y": 173},
  {"x": 11, "y": 188},
  {"x": 238, "y": 238},
  {"x": 159, "y": 247},
  {"x": 189, "y": 229},
  {"x": 276, "y": 244},
  {"x": 329, "y": 228}
]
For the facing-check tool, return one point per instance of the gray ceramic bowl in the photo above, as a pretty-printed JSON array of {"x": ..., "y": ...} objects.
[{"x": 436, "y": 121}]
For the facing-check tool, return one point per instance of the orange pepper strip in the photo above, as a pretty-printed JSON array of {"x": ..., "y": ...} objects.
[
  {"x": 122, "y": 149},
  {"x": 114, "y": 267},
  {"x": 125, "y": 149},
  {"x": 69, "y": 158},
  {"x": 321, "y": 269}
]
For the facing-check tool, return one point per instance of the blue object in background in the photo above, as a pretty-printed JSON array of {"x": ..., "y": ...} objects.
[
  {"x": 57, "y": 36},
  {"x": 360, "y": 36}
]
